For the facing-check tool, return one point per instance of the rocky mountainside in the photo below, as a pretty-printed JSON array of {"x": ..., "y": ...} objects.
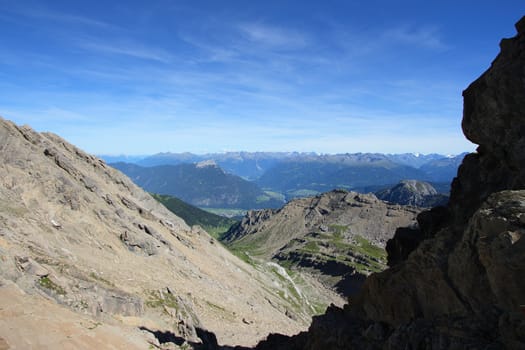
[
  {"x": 90, "y": 260},
  {"x": 413, "y": 192},
  {"x": 338, "y": 237},
  {"x": 457, "y": 282},
  {"x": 202, "y": 184}
]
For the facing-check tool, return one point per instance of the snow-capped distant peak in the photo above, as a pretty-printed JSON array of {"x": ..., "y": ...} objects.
[
  {"x": 416, "y": 154},
  {"x": 206, "y": 163}
]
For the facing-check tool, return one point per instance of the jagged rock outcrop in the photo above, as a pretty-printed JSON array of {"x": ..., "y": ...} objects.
[
  {"x": 460, "y": 283},
  {"x": 337, "y": 236},
  {"x": 364, "y": 214},
  {"x": 413, "y": 192},
  {"x": 80, "y": 241}
]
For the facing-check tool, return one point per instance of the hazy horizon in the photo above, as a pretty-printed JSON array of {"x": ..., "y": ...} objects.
[
  {"x": 210, "y": 77},
  {"x": 138, "y": 157},
  {"x": 417, "y": 154}
]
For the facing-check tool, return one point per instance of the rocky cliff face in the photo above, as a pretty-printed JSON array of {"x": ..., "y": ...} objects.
[
  {"x": 86, "y": 255},
  {"x": 338, "y": 237},
  {"x": 459, "y": 283}
]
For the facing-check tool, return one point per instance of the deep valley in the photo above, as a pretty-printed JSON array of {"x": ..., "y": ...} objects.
[{"x": 320, "y": 251}]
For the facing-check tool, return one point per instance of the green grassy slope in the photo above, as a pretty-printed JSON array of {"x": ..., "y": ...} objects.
[{"x": 215, "y": 225}]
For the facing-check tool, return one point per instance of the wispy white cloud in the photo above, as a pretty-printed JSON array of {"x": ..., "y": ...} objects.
[
  {"x": 103, "y": 37},
  {"x": 251, "y": 46},
  {"x": 128, "y": 49},
  {"x": 189, "y": 122},
  {"x": 273, "y": 36},
  {"x": 426, "y": 37},
  {"x": 238, "y": 85},
  {"x": 354, "y": 50},
  {"x": 62, "y": 17},
  {"x": 209, "y": 52},
  {"x": 69, "y": 18}
]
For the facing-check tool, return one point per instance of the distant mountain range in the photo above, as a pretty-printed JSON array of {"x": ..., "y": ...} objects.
[
  {"x": 253, "y": 165},
  {"x": 362, "y": 172},
  {"x": 122, "y": 158},
  {"x": 267, "y": 179},
  {"x": 321, "y": 174},
  {"x": 202, "y": 184},
  {"x": 248, "y": 165}
]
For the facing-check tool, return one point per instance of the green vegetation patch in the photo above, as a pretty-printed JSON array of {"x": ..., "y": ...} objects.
[
  {"x": 302, "y": 193},
  {"x": 101, "y": 279},
  {"x": 369, "y": 249},
  {"x": 221, "y": 310},
  {"x": 226, "y": 212},
  {"x": 157, "y": 299},
  {"x": 215, "y": 306},
  {"x": 245, "y": 254},
  {"x": 45, "y": 282},
  {"x": 276, "y": 195},
  {"x": 318, "y": 308},
  {"x": 214, "y": 224},
  {"x": 253, "y": 244},
  {"x": 271, "y": 196},
  {"x": 338, "y": 230},
  {"x": 359, "y": 253},
  {"x": 312, "y": 247},
  {"x": 262, "y": 198}
]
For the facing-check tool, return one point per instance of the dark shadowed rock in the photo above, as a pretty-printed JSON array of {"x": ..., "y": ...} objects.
[
  {"x": 452, "y": 274},
  {"x": 458, "y": 283}
]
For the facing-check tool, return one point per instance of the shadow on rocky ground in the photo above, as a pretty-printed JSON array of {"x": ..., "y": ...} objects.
[{"x": 209, "y": 340}]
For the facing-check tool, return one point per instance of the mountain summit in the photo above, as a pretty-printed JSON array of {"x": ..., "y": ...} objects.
[{"x": 413, "y": 192}]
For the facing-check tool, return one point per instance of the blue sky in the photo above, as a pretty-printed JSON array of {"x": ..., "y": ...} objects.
[{"x": 141, "y": 77}]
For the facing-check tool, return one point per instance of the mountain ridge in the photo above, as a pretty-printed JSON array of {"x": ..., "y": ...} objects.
[
  {"x": 202, "y": 184},
  {"x": 338, "y": 237},
  {"x": 252, "y": 165},
  {"x": 290, "y": 176},
  {"x": 79, "y": 240}
]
